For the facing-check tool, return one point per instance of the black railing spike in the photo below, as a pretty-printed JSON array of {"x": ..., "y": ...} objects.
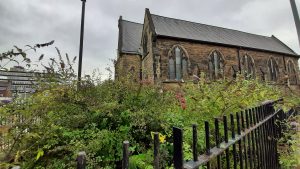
[
  {"x": 207, "y": 142},
  {"x": 242, "y": 120},
  {"x": 247, "y": 118},
  {"x": 233, "y": 137},
  {"x": 195, "y": 142},
  {"x": 232, "y": 126},
  {"x": 226, "y": 140},
  {"x": 178, "y": 148},
  {"x": 217, "y": 138}
]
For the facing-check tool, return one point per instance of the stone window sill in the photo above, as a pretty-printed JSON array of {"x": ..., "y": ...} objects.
[{"x": 174, "y": 81}]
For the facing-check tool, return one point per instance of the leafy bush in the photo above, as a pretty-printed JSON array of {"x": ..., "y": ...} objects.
[{"x": 58, "y": 121}]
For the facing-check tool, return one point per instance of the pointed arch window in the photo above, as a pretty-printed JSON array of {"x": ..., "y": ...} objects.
[
  {"x": 273, "y": 70},
  {"x": 145, "y": 45},
  {"x": 216, "y": 65},
  {"x": 178, "y": 64},
  {"x": 292, "y": 72},
  {"x": 248, "y": 67}
]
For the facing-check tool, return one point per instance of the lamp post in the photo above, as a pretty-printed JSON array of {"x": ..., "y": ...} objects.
[
  {"x": 296, "y": 18},
  {"x": 81, "y": 42}
]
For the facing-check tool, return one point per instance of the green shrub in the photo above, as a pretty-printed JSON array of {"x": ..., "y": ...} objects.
[{"x": 60, "y": 120}]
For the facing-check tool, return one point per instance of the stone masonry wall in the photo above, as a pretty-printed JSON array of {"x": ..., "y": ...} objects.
[
  {"x": 128, "y": 64},
  {"x": 198, "y": 54}
]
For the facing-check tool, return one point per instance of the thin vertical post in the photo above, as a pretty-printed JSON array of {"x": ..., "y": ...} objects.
[
  {"x": 125, "y": 161},
  {"x": 207, "y": 142},
  {"x": 261, "y": 153},
  {"x": 248, "y": 112},
  {"x": 177, "y": 145},
  {"x": 156, "y": 151},
  {"x": 256, "y": 137},
  {"x": 262, "y": 138},
  {"x": 195, "y": 142},
  {"x": 245, "y": 141},
  {"x": 226, "y": 141},
  {"x": 240, "y": 141},
  {"x": 233, "y": 137},
  {"x": 252, "y": 137},
  {"x": 81, "y": 160},
  {"x": 249, "y": 155},
  {"x": 217, "y": 137},
  {"x": 243, "y": 121},
  {"x": 275, "y": 142},
  {"x": 81, "y": 42}
]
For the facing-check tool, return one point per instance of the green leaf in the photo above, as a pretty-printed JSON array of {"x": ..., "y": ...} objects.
[{"x": 40, "y": 153}]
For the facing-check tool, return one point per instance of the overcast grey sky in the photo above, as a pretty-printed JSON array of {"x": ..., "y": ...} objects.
[{"x": 36, "y": 21}]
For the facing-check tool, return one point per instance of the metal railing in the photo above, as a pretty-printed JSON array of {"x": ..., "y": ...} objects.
[{"x": 252, "y": 143}]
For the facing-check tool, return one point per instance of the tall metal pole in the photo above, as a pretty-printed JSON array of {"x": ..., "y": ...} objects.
[
  {"x": 296, "y": 18},
  {"x": 81, "y": 42}
]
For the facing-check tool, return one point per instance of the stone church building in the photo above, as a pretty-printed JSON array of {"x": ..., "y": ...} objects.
[{"x": 166, "y": 50}]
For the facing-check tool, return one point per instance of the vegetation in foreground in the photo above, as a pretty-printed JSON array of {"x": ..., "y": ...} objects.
[{"x": 58, "y": 120}]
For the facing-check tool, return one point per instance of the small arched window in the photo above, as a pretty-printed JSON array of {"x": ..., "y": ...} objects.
[
  {"x": 216, "y": 65},
  {"x": 247, "y": 63},
  {"x": 145, "y": 43},
  {"x": 292, "y": 72},
  {"x": 273, "y": 70},
  {"x": 178, "y": 64}
]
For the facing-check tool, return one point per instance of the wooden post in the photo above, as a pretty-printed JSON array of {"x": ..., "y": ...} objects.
[
  {"x": 81, "y": 160},
  {"x": 156, "y": 150},
  {"x": 125, "y": 161}
]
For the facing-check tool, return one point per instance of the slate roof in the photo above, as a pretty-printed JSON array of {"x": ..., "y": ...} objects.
[
  {"x": 131, "y": 37},
  {"x": 176, "y": 28}
]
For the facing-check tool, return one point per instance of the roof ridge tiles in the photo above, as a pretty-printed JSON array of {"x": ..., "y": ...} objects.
[{"x": 132, "y": 22}]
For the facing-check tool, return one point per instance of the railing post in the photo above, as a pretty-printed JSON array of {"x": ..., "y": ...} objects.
[
  {"x": 156, "y": 150},
  {"x": 195, "y": 141},
  {"x": 249, "y": 155},
  {"x": 244, "y": 139},
  {"x": 240, "y": 141},
  {"x": 226, "y": 141},
  {"x": 233, "y": 137},
  {"x": 177, "y": 145},
  {"x": 217, "y": 138},
  {"x": 255, "y": 121},
  {"x": 207, "y": 142},
  {"x": 81, "y": 160},
  {"x": 125, "y": 161}
]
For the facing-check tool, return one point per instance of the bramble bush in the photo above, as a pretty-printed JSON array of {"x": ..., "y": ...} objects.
[{"x": 59, "y": 120}]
